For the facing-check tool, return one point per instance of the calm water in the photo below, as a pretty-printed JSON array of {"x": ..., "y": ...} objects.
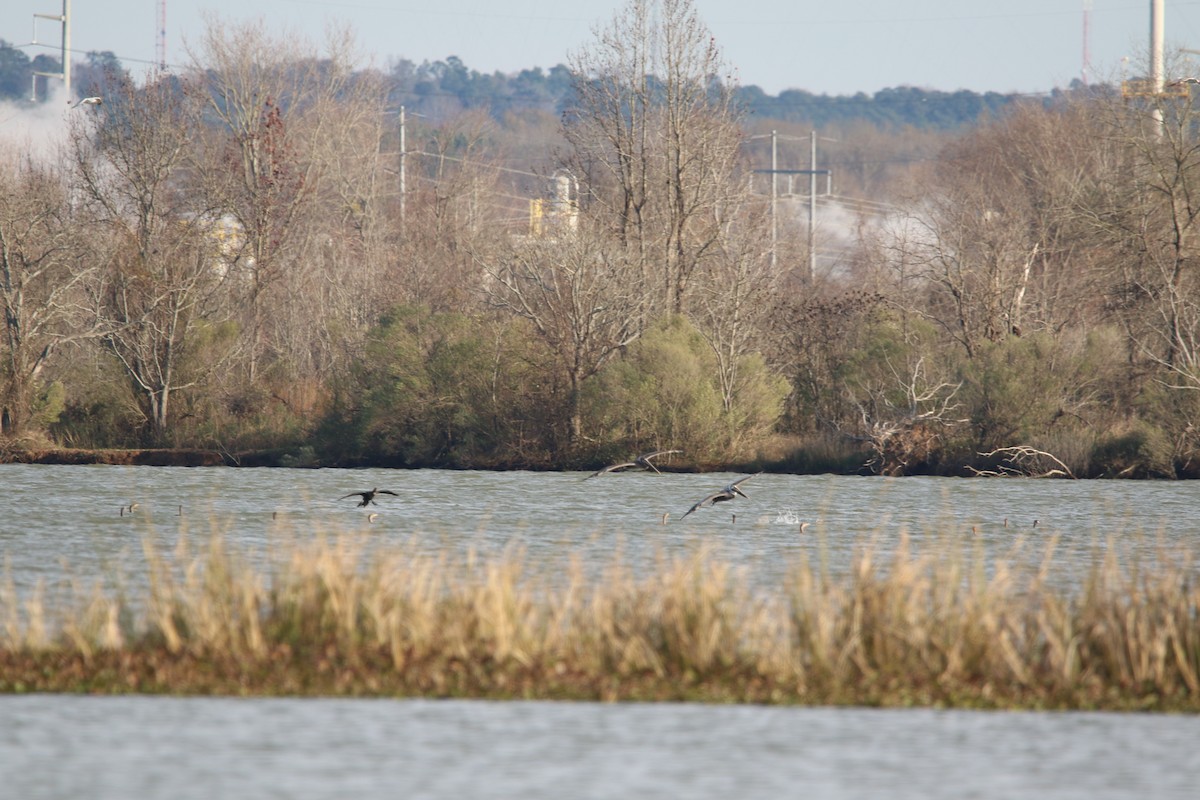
[
  {"x": 147, "y": 747},
  {"x": 62, "y": 527}
]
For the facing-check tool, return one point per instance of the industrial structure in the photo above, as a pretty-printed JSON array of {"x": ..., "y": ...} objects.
[
  {"x": 1155, "y": 84},
  {"x": 559, "y": 213},
  {"x": 64, "y": 21}
]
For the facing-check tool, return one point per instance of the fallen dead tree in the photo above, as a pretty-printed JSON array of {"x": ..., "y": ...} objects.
[{"x": 1023, "y": 461}]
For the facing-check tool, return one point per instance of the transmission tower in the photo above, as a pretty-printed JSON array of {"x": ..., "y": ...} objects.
[
  {"x": 1087, "y": 50},
  {"x": 160, "y": 42}
]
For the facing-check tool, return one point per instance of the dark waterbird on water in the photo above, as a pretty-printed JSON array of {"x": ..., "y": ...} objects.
[
  {"x": 368, "y": 497},
  {"x": 642, "y": 461},
  {"x": 728, "y": 493}
]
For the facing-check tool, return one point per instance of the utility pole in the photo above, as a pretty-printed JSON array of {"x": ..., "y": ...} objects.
[
  {"x": 812, "y": 173},
  {"x": 774, "y": 197},
  {"x": 403, "y": 188},
  {"x": 812, "y": 207},
  {"x": 65, "y": 21},
  {"x": 1157, "y": 10}
]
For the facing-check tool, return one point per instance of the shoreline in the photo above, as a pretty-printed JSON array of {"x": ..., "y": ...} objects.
[
  {"x": 284, "y": 459},
  {"x": 200, "y": 457},
  {"x": 149, "y": 457}
]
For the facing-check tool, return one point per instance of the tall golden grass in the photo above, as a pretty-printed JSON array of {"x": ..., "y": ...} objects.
[{"x": 332, "y": 616}]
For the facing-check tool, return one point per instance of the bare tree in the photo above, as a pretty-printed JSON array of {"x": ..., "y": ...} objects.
[
  {"x": 733, "y": 301},
  {"x": 903, "y": 433},
  {"x": 583, "y": 299},
  {"x": 456, "y": 210},
  {"x": 995, "y": 243},
  {"x": 1148, "y": 214},
  {"x": 162, "y": 279},
  {"x": 656, "y": 133},
  {"x": 41, "y": 275},
  {"x": 281, "y": 119}
]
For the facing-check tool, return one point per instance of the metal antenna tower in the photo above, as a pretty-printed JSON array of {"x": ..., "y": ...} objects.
[
  {"x": 160, "y": 42},
  {"x": 64, "y": 20},
  {"x": 1087, "y": 53}
]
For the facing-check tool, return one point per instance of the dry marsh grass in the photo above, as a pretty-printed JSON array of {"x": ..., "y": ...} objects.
[{"x": 331, "y": 617}]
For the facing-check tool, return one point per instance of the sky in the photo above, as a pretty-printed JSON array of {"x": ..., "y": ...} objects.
[{"x": 1024, "y": 46}]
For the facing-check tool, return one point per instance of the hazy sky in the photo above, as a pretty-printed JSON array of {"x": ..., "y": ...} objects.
[{"x": 816, "y": 45}]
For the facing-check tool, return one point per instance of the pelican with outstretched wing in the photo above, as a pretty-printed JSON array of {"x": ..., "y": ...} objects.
[
  {"x": 642, "y": 461},
  {"x": 730, "y": 492},
  {"x": 368, "y": 497}
]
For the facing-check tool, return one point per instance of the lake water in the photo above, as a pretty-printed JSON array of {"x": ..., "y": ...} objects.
[
  {"x": 64, "y": 523},
  {"x": 56, "y": 747},
  {"x": 69, "y": 526}
]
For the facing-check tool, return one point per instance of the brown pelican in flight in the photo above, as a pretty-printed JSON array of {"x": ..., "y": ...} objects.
[
  {"x": 642, "y": 461},
  {"x": 368, "y": 497},
  {"x": 728, "y": 493}
]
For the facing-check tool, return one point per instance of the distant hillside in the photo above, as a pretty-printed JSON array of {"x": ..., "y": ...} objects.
[
  {"x": 451, "y": 82},
  {"x": 441, "y": 88},
  {"x": 901, "y": 106}
]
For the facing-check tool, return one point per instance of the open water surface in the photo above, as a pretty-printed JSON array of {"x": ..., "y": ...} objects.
[
  {"x": 64, "y": 524},
  {"x": 60, "y": 747},
  {"x": 64, "y": 527}
]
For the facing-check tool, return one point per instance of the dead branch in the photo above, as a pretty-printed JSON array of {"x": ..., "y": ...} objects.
[{"x": 1024, "y": 461}]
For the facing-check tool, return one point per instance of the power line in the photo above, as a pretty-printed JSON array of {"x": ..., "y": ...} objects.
[
  {"x": 483, "y": 164},
  {"x": 79, "y": 51},
  {"x": 876, "y": 206}
]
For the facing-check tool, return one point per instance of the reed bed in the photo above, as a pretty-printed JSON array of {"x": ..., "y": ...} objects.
[{"x": 333, "y": 617}]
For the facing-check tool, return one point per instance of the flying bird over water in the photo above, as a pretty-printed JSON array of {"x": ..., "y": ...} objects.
[
  {"x": 730, "y": 492},
  {"x": 368, "y": 497},
  {"x": 642, "y": 461}
]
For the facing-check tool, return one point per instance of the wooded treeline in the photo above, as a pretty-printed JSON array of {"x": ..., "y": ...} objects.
[
  {"x": 240, "y": 256},
  {"x": 437, "y": 89}
]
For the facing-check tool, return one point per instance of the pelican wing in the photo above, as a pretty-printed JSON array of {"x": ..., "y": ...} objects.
[
  {"x": 733, "y": 487},
  {"x": 708, "y": 501},
  {"x": 644, "y": 459},
  {"x": 613, "y": 468}
]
